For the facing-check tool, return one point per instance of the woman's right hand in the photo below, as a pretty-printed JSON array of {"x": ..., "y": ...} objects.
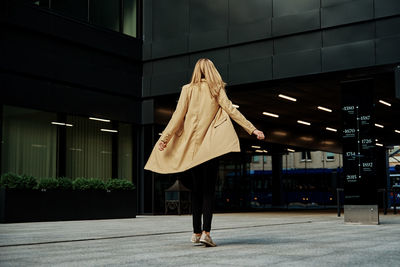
[
  {"x": 260, "y": 134},
  {"x": 162, "y": 145}
]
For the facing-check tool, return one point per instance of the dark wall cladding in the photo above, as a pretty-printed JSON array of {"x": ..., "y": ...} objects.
[
  {"x": 169, "y": 29},
  {"x": 250, "y": 62},
  {"x": 288, "y": 7},
  {"x": 387, "y": 41},
  {"x": 353, "y": 55},
  {"x": 297, "y": 55},
  {"x": 56, "y": 60},
  {"x": 338, "y": 12},
  {"x": 52, "y": 96},
  {"x": 249, "y": 20},
  {"x": 353, "y": 50},
  {"x": 208, "y": 22},
  {"x": 306, "y": 21},
  {"x": 258, "y": 40},
  {"x": 386, "y": 8},
  {"x": 167, "y": 75},
  {"x": 346, "y": 34}
]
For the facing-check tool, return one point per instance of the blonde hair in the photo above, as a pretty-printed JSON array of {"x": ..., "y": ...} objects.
[{"x": 204, "y": 68}]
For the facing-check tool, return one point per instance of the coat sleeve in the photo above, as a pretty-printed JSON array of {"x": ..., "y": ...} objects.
[
  {"x": 235, "y": 114},
  {"x": 178, "y": 116}
]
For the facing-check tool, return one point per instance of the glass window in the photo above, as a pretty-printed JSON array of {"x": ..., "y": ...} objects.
[
  {"x": 105, "y": 13},
  {"x": 29, "y": 142},
  {"x": 125, "y": 150},
  {"x": 256, "y": 159},
  {"x": 130, "y": 11},
  {"x": 73, "y": 8},
  {"x": 330, "y": 156},
  {"x": 89, "y": 150},
  {"x": 306, "y": 155}
]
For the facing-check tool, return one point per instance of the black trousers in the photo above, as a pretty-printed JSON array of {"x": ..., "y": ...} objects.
[{"x": 204, "y": 178}]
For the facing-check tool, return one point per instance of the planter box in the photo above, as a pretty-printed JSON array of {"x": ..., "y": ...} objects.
[{"x": 59, "y": 205}]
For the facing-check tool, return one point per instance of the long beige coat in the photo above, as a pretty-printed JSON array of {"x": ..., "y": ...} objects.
[{"x": 200, "y": 129}]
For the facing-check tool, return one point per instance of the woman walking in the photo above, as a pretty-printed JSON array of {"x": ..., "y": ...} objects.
[{"x": 200, "y": 131}]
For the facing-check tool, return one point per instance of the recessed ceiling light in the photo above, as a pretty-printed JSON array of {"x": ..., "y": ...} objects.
[
  {"x": 255, "y": 146},
  {"x": 378, "y": 144},
  {"x": 385, "y": 103},
  {"x": 265, "y": 151},
  {"x": 291, "y": 150},
  {"x": 303, "y": 122},
  {"x": 397, "y": 131},
  {"x": 379, "y": 125},
  {"x": 327, "y": 142},
  {"x": 98, "y": 119},
  {"x": 235, "y": 106},
  {"x": 331, "y": 129},
  {"x": 325, "y": 109},
  {"x": 287, "y": 97},
  {"x": 280, "y": 133},
  {"x": 109, "y": 130},
  {"x": 58, "y": 123},
  {"x": 306, "y": 138},
  {"x": 271, "y": 114},
  {"x": 260, "y": 151},
  {"x": 61, "y": 123}
]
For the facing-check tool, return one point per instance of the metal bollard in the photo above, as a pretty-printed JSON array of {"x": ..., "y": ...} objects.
[{"x": 338, "y": 190}]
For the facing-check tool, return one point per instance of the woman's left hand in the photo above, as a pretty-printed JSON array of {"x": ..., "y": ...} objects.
[
  {"x": 260, "y": 134},
  {"x": 162, "y": 145}
]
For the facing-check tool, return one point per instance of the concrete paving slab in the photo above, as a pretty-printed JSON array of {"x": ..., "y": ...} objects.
[{"x": 244, "y": 239}]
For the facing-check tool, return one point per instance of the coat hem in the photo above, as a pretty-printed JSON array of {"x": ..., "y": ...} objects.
[{"x": 180, "y": 171}]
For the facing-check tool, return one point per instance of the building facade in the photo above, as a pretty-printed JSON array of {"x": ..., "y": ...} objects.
[
  {"x": 70, "y": 88},
  {"x": 87, "y": 86},
  {"x": 305, "y": 49}
]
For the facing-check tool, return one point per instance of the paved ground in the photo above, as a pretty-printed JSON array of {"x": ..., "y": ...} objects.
[{"x": 244, "y": 239}]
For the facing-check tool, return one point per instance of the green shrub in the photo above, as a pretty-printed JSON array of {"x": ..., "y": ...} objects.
[
  {"x": 47, "y": 184},
  {"x": 119, "y": 184},
  {"x": 64, "y": 183},
  {"x": 28, "y": 181},
  {"x": 9, "y": 180},
  {"x": 88, "y": 184},
  {"x": 14, "y": 181}
]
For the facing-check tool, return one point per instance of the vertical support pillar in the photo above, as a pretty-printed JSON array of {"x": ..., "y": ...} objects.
[
  {"x": 277, "y": 191},
  {"x": 114, "y": 154},
  {"x": 359, "y": 152},
  {"x": 61, "y": 168},
  {"x": 146, "y": 181},
  {"x": 1, "y": 138}
]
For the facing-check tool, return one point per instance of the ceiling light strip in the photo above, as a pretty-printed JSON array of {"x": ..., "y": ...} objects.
[
  {"x": 98, "y": 119},
  {"x": 287, "y": 97},
  {"x": 271, "y": 114},
  {"x": 304, "y": 122},
  {"x": 325, "y": 109},
  {"x": 61, "y": 123},
  {"x": 109, "y": 130},
  {"x": 331, "y": 129},
  {"x": 385, "y": 103}
]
